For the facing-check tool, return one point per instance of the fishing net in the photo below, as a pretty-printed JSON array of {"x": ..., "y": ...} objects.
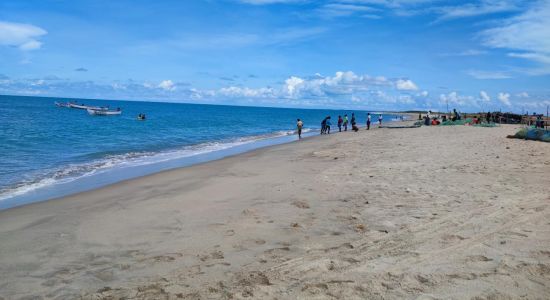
[
  {"x": 457, "y": 122},
  {"x": 486, "y": 125},
  {"x": 532, "y": 134}
]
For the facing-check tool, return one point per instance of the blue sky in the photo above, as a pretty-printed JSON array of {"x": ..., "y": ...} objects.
[{"x": 363, "y": 54}]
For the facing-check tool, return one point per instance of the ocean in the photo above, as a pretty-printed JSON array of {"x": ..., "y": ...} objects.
[{"x": 48, "y": 151}]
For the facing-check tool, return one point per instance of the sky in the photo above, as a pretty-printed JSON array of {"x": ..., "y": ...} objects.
[{"x": 356, "y": 54}]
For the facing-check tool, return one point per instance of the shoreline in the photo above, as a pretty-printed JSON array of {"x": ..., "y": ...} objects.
[
  {"x": 381, "y": 213},
  {"x": 118, "y": 174},
  {"x": 84, "y": 182}
]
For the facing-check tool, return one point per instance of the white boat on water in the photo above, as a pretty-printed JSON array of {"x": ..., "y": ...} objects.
[
  {"x": 78, "y": 106},
  {"x": 102, "y": 112},
  {"x": 60, "y": 104}
]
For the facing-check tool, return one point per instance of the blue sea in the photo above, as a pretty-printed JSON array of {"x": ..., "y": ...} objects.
[{"x": 48, "y": 151}]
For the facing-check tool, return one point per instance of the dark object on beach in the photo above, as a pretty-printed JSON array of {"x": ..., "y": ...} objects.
[
  {"x": 410, "y": 126},
  {"x": 533, "y": 134},
  {"x": 368, "y": 121},
  {"x": 354, "y": 128},
  {"x": 325, "y": 125},
  {"x": 299, "y": 126},
  {"x": 345, "y": 123}
]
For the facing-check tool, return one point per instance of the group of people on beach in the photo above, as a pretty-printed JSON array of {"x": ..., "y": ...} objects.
[{"x": 343, "y": 122}]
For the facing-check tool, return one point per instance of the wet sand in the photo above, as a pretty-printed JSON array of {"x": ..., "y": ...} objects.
[{"x": 433, "y": 212}]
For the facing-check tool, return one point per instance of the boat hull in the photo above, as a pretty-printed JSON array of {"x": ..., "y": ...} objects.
[{"x": 97, "y": 112}]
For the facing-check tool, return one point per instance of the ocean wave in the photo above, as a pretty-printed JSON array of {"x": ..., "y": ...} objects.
[{"x": 71, "y": 172}]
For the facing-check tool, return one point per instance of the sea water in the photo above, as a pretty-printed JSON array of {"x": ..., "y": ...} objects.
[{"x": 48, "y": 151}]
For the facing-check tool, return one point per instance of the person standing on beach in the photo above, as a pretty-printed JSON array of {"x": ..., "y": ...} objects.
[
  {"x": 380, "y": 120},
  {"x": 340, "y": 121},
  {"x": 299, "y": 126},
  {"x": 324, "y": 125},
  {"x": 327, "y": 125},
  {"x": 345, "y": 122},
  {"x": 368, "y": 121}
]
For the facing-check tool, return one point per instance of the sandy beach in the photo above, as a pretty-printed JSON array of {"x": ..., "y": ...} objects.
[{"x": 446, "y": 212}]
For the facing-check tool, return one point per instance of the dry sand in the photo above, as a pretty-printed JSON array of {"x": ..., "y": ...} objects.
[{"x": 428, "y": 213}]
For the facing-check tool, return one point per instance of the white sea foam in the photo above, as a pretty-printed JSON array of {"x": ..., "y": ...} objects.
[{"x": 73, "y": 172}]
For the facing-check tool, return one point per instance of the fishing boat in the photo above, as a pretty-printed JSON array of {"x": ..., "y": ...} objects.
[
  {"x": 78, "y": 106},
  {"x": 103, "y": 112},
  {"x": 60, "y": 104}
]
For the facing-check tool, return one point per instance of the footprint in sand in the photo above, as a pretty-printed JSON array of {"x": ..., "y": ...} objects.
[
  {"x": 477, "y": 258},
  {"x": 300, "y": 204},
  {"x": 169, "y": 257},
  {"x": 212, "y": 255},
  {"x": 449, "y": 238}
]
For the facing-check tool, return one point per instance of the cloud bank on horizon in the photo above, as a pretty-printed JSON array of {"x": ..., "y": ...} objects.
[{"x": 475, "y": 55}]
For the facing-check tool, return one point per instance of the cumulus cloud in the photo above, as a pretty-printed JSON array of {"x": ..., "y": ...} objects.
[
  {"x": 504, "y": 98},
  {"x": 405, "y": 85},
  {"x": 167, "y": 85},
  {"x": 293, "y": 85},
  {"x": 455, "y": 99},
  {"x": 22, "y": 36},
  {"x": 342, "y": 90},
  {"x": 81, "y": 69},
  {"x": 484, "y": 96},
  {"x": 342, "y": 83}
]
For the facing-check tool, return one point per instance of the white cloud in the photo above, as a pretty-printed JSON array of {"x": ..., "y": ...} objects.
[
  {"x": 230, "y": 40},
  {"x": 234, "y": 91},
  {"x": 469, "y": 52},
  {"x": 405, "y": 85},
  {"x": 343, "y": 90},
  {"x": 406, "y": 99},
  {"x": 454, "y": 99},
  {"x": 543, "y": 58},
  {"x": 528, "y": 32},
  {"x": 484, "y": 96},
  {"x": 293, "y": 84},
  {"x": 478, "y": 74},
  {"x": 167, "y": 85},
  {"x": 344, "y": 9},
  {"x": 342, "y": 83},
  {"x": 522, "y": 95},
  {"x": 483, "y": 7},
  {"x": 504, "y": 98},
  {"x": 23, "y": 36},
  {"x": 535, "y": 105}
]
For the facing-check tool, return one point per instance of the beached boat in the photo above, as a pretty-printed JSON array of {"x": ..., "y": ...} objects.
[{"x": 102, "y": 112}]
